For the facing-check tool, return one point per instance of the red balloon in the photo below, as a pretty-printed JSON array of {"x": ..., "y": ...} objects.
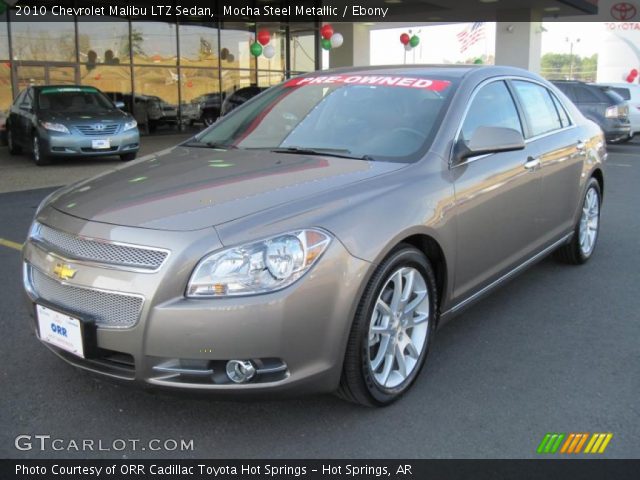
[
  {"x": 405, "y": 38},
  {"x": 264, "y": 36},
  {"x": 634, "y": 72},
  {"x": 326, "y": 31}
]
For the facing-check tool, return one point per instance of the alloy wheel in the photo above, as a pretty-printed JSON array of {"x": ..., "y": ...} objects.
[
  {"x": 36, "y": 149},
  {"x": 399, "y": 327},
  {"x": 589, "y": 222}
]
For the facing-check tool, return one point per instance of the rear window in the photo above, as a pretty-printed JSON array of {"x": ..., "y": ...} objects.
[
  {"x": 585, "y": 94},
  {"x": 617, "y": 98},
  {"x": 623, "y": 92}
]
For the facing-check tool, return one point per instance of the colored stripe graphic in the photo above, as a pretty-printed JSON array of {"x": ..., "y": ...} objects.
[
  {"x": 550, "y": 443},
  {"x": 574, "y": 443}
]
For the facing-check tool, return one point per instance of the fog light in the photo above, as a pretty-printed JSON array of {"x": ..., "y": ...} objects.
[{"x": 240, "y": 371}]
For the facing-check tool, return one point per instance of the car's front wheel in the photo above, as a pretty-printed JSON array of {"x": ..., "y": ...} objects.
[
  {"x": 127, "y": 157},
  {"x": 39, "y": 157},
  {"x": 392, "y": 330},
  {"x": 11, "y": 143},
  {"x": 585, "y": 236}
]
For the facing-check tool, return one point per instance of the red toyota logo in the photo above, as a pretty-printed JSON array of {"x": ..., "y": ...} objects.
[{"x": 623, "y": 11}]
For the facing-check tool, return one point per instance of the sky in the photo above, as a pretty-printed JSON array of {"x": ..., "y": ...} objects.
[{"x": 439, "y": 44}]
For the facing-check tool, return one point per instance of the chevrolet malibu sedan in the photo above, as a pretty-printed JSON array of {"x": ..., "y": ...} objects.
[
  {"x": 314, "y": 239},
  {"x": 70, "y": 121}
]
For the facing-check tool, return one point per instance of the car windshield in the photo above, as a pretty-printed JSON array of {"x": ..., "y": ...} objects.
[
  {"x": 378, "y": 117},
  {"x": 73, "y": 100}
]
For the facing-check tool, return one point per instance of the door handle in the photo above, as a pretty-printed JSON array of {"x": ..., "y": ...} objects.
[
  {"x": 532, "y": 163},
  {"x": 581, "y": 146}
]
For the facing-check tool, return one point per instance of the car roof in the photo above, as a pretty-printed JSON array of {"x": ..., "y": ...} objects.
[
  {"x": 40, "y": 87},
  {"x": 458, "y": 71}
]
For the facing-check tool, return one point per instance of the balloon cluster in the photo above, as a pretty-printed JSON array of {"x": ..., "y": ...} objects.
[
  {"x": 329, "y": 38},
  {"x": 262, "y": 46},
  {"x": 633, "y": 74},
  {"x": 409, "y": 41}
]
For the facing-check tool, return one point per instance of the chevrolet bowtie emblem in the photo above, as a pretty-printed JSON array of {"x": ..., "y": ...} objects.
[{"x": 64, "y": 272}]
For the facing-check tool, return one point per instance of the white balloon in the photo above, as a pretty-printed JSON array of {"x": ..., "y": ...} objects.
[
  {"x": 408, "y": 47},
  {"x": 337, "y": 40},
  {"x": 268, "y": 51}
]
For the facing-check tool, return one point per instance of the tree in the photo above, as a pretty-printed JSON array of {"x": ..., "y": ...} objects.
[{"x": 558, "y": 66}]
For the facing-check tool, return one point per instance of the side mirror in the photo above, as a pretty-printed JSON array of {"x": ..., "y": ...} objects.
[
  {"x": 119, "y": 105},
  {"x": 487, "y": 140}
]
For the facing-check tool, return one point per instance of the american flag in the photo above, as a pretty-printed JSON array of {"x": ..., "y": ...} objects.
[{"x": 470, "y": 35}]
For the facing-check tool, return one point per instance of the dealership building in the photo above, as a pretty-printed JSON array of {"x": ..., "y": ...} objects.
[{"x": 182, "y": 61}]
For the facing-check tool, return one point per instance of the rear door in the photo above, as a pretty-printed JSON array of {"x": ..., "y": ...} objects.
[
  {"x": 497, "y": 197},
  {"x": 561, "y": 152}
]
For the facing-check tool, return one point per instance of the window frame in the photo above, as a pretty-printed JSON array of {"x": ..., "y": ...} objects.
[{"x": 507, "y": 79}]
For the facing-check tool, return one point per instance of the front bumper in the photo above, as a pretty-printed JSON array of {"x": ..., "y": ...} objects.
[
  {"x": 74, "y": 144},
  {"x": 303, "y": 328}
]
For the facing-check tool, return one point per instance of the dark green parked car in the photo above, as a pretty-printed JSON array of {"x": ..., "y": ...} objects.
[{"x": 70, "y": 121}]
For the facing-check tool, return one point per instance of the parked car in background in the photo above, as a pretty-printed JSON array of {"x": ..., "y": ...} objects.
[
  {"x": 3, "y": 129},
  {"x": 630, "y": 92},
  {"x": 313, "y": 240},
  {"x": 240, "y": 96},
  {"x": 205, "y": 109},
  {"x": 606, "y": 108},
  {"x": 65, "y": 121},
  {"x": 149, "y": 111}
]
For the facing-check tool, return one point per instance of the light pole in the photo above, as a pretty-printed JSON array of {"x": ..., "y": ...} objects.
[{"x": 571, "y": 42}]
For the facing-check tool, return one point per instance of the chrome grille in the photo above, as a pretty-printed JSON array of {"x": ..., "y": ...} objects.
[
  {"x": 108, "y": 309},
  {"x": 104, "y": 129},
  {"x": 102, "y": 252}
]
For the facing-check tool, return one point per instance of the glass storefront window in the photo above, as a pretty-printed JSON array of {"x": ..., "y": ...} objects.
[
  {"x": 198, "y": 46},
  {"x": 235, "y": 40},
  {"x": 156, "y": 89},
  {"x": 278, "y": 42},
  {"x": 269, "y": 78},
  {"x": 6, "y": 97},
  {"x": 43, "y": 41},
  {"x": 113, "y": 80},
  {"x": 302, "y": 47},
  {"x": 103, "y": 42},
  {"x": 233, "y": 80},
  {"x": 4, "y": 37},
  {"x": 201, "y": 98},
  {"x": 154, "y": 43}
]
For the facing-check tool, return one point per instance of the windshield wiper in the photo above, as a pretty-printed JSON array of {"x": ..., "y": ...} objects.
[
  {"x": 221, "y": 146},
  {"x": 327, "y": 152}
]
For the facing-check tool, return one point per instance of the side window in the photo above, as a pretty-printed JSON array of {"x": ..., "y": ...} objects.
[
  {"x": 491, "y": 107},
  {"x": 585, "y": 95},
  {"x": 562, "y": 113},
  {"x": 539, "y": 108}
]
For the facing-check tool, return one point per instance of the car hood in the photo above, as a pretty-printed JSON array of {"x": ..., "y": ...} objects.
[
  {"x": 186, "y": 188},
  {"x": 82, "y": 118}
]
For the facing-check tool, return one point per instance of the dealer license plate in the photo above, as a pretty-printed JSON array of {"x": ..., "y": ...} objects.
[
  {"x": 100, "y": 144},
  {"x": 60, "y": 330}
]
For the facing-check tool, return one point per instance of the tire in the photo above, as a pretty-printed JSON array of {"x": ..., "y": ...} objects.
[
  {"x": 127, "y": 157},
  {"x": 38, "y": 156},
  {"x": 366, "y": 379},
  {"x": 580, "y": 249},
  {"x": 208, "y": 120},
  {"x": 13, "y": 148}
]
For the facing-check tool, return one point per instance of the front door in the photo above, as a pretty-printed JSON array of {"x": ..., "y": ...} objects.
[{"x": 497, "y": 197}]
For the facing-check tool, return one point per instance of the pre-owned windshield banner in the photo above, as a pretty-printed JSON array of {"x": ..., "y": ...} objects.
[{"x": 380, "y": 80}]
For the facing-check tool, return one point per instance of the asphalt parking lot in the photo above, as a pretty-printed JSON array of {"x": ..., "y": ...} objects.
[{"x": 556, "y": 350}]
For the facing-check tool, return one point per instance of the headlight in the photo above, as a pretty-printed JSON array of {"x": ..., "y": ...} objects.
[
  {"x": 259, "y": 267},
  {"x": 54, "y": 127},
  {"x": 611, "y": 112},
  {"x": 129, "y": 125}
]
